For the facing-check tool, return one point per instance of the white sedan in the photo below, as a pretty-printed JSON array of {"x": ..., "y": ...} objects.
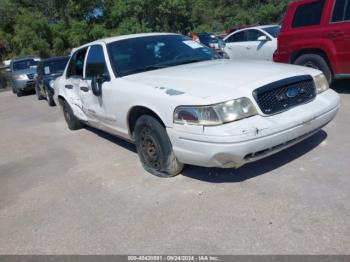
[
  {"x": 181, "y": 104},
  {"x": 258, "y": 43}
]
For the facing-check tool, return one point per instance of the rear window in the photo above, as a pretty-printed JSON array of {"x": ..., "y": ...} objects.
[
  {"x": 341, "y": 11},
  {"x": 308, "y": 14}
]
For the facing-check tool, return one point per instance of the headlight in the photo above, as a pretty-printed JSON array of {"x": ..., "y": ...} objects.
[
  {"x": 20, "y": 77},
  {"x": 215, "y": 114},
  {"x": 51, "y": 83},
  {"x": 321, "y": 83}
]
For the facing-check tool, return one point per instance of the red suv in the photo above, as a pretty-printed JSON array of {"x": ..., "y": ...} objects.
[{"x": 316, "y": 33}]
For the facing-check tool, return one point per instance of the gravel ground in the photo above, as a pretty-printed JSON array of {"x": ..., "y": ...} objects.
[{"x": 85, "y": 192}]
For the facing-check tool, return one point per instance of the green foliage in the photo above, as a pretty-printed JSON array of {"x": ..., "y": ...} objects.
[{"x": 52, "y": 27}]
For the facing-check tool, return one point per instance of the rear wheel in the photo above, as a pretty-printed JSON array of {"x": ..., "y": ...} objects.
[
  {"x": 317, "y": 62},
  {"x": 154, "y": 148},
  {"x": 72, "y": 121}
]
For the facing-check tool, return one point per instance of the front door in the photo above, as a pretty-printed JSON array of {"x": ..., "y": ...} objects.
[
  {"x": 72, "y": 81},
  {"x": 95, "y": 69},
  {"x": 256, "y": 49}
]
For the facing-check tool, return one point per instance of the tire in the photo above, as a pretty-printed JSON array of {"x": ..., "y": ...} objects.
[
  {"x": 14, "y": 90},
  {"x": 37, "y": 93},
  {"x": 72, "y": 121},
  {"x": 317, "y": 62},
  {"x": 19, "y": 93},
  {"x": 49, "y": 99},
  {"x": 154, "y": 148}
]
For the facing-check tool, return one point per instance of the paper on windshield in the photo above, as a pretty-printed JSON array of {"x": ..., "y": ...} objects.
[
  {"x": 47, "y": 70},
  {"x": 192, "y": 44}
]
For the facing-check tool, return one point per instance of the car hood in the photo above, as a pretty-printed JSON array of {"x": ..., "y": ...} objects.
[{"x": 219, "y": 78}]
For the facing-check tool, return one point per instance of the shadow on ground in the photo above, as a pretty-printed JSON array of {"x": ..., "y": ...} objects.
[
  {"x": 341, "y": 86},
  {"x": 261, "y": 167},
  {"x": 114, "y": 139},
  {"x": 217, "y": 175}
]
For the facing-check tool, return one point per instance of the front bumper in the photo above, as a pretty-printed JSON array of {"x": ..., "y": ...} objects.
[
  {"x": 251, "y": 139},
  {"x": 24, "y": 85}
]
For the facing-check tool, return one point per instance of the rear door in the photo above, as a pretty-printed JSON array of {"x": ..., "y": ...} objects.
[{"x": 339, "y": 34}]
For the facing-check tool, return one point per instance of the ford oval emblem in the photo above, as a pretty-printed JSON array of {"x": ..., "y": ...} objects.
[{"x": 292, "y": 92}]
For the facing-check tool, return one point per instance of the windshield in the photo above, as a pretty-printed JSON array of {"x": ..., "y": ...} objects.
[
  {"x": 273, "y": 30},
  {"x": 24, "y": 64},
  {"x": 143, "y": 54},
  {"x": 55, "y": 66}
]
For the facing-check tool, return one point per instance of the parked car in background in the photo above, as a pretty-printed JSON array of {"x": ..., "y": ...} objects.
[
  {"x": 258, "y": 43},
  {"x": 179, "y": 104},
  {"x": 316, "y": 33},
  {"x": 23, "y": 74},
  {"x": 209, "y": 40},
  {"x": 48, "y": 70}
]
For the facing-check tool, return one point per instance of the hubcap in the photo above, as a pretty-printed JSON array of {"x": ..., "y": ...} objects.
[{"x": 149, "y": 148}]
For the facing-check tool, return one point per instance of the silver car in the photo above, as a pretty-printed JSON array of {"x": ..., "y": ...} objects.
[{"x": 23, "y": 75}]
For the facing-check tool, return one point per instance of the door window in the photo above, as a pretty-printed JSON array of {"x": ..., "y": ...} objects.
[
  {"x": 347, "y": 12},
  {"x": 253, "y": 35},
  {"x": 95, "y": 63},
  {"x": 76, "y": 64},
  {"x": 238, "y": 37},
  {"x": 308, "y": 14},
  {"x": 341, "y": 11}
]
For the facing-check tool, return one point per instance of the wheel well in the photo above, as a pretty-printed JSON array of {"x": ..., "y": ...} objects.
[
  {"x": 138, "y": 111},
  {"x": 61, "y": 100},
  {"x": 299, "y": 53}
]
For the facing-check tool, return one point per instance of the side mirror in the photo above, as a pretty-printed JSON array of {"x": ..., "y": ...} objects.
[
  {"x": 263, "y": 38},
  {"x": 97, "y": 82}
]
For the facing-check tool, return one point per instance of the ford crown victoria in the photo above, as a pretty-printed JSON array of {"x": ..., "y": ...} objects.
[{"x": 181, "y": 104}]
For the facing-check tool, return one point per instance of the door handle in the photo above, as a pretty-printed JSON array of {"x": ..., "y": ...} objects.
[
  {"x": 336, "y": 34},
  {"x": 248, "y": 47},
  {"x": 68, "y": 86},
  {"x": 84, "y": 89}
]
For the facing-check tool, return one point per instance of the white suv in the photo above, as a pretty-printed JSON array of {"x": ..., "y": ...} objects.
[{"x": 181, "y": 104}]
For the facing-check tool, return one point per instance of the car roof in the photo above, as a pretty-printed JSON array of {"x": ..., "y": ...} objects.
[
  {"x": 124, "y": 37},
  {"x": 24, "y": 59},
  {"x": 258, "y": 27},
  {"x": 54, "y": 58},
  {"x": 249, "y": 28}
]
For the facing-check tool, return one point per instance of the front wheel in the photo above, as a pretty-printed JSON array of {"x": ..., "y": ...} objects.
[
  {"x": 317, "y": 62},
  {"x": 154, "y": 148},
  {"x": 72, "y": 121},
  {"x": 49, "y": 99}
]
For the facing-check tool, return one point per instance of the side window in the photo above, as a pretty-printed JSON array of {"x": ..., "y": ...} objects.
[
  {"x": 308, "y": 14},
  {"x": 238, "y": 37},
  {"x": 253, "y": 35},
  {"x": 341, "y": 11},
  {"x": 76, "y": 64},
  {"x": 95, "y": 63}
]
